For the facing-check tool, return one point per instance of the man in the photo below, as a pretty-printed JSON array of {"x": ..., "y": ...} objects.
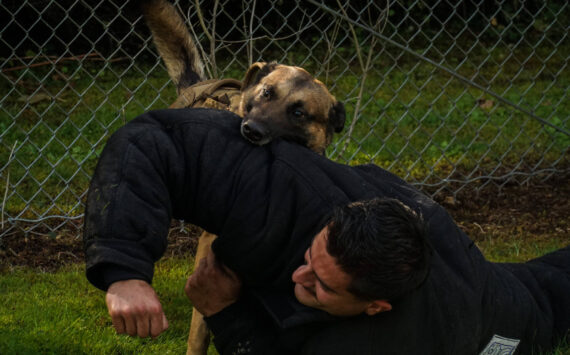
[
  {"x": 272, "y": 208},
  {"x": 370, "y": 253}
]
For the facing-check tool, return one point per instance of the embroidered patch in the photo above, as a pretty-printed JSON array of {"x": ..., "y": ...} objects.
[{"x": 500, "y": 346}]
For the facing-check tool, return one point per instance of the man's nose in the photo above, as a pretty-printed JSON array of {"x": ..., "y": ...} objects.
[{"x": 304, "y": 276}]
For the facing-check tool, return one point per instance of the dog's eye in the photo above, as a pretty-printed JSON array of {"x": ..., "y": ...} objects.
[
  {"x": 298, "y": 113},
  {"x": 266, "y": 93}
]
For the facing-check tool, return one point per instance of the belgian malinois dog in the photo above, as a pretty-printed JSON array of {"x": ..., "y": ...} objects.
[{"x": 274, "y": 101}]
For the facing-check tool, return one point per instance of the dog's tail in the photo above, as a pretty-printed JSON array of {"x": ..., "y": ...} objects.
[{"x": 174, "y": 43}]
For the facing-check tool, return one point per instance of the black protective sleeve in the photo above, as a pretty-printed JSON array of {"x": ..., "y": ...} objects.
[{"x": 147, "y": 174}]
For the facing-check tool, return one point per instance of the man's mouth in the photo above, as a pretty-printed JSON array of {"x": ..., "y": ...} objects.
[{"x": 309, "y": 290}]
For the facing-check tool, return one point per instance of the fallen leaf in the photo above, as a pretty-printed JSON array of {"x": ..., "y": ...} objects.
[
  {"x": 450, "y": 200},
  {"x": 485, "y": 104}
]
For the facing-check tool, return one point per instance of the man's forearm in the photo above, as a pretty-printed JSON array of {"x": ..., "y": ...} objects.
[
  {"x": 162, "y": 164},
  {"x": 128, "y": 206}
]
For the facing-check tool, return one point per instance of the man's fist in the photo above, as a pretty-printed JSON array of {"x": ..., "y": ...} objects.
[
  {"x": 135, "y": 309},
  {"x": 213, "y": 286}
]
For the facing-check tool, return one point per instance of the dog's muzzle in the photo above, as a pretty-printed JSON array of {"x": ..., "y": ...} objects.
[{"x": 255, "y": 132}]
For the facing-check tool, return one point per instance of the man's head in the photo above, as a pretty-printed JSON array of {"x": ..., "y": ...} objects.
[{"x": 369, "y": 254}]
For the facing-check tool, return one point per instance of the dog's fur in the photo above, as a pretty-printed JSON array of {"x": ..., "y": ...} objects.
[{"x": 274, "y": 101}]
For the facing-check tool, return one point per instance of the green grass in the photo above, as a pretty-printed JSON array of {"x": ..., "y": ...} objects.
[
  {"x": 58, "y": 140},
  {"x": 407, "y": 124},
  {"x": 61, "y": 313},
  {"x": 513, "y": 249},
  {"x": 415, "y": 121}
]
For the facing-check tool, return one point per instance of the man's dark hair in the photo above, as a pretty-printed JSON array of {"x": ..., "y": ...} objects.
[{"x": 382, "y": 244}]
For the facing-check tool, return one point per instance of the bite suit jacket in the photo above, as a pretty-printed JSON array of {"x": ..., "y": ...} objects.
[{"x": 266, "y": 204}]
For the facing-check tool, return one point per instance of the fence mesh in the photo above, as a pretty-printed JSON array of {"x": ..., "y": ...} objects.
[{"x": 448, "y": 94}]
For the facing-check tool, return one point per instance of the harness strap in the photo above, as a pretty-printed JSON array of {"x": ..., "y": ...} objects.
[{"x": 214, "y": 93}]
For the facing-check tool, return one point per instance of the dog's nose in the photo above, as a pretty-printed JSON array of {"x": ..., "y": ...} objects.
[{"x": 253, "y": 131}]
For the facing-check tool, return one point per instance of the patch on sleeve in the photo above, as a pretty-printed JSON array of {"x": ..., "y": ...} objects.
[{"x": 500, "y": 346}]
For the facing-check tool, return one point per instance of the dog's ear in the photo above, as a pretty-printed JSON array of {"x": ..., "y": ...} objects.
[
  {"x": 256, "y": 72},
  {"x": 337, "y": 116}
]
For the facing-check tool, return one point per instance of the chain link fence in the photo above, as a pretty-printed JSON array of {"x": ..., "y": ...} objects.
[{"x": 450, "y": 95}]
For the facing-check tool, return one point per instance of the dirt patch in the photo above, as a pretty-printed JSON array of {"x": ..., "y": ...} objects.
[
  {"x": 538, "y": 210},
  {"x": 48, "y": 251}
]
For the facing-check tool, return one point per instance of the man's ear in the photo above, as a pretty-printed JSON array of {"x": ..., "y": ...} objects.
[{"x": 377, "y": 306}]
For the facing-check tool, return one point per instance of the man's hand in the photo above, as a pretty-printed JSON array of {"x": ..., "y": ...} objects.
[
  {"x": 213, "y": 286},
  {"x": 135, "y": 309}
]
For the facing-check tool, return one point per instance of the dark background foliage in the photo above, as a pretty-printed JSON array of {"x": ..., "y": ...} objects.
[{"x": 64, "y": 27}]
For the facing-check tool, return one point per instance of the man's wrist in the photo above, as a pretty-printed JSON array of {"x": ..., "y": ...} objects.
[{"x": 114, "y": 273}]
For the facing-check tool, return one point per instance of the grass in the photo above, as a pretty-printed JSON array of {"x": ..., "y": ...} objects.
[
  {"x": 415, "y": 121},
  {"x": 61, "y": 313},
  {"x": 59, "y": 139}
]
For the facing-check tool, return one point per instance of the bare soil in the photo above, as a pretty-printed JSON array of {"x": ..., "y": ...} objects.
[{"x": 538, "y": 210}]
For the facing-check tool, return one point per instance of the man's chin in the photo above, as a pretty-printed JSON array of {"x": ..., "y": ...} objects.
[{"x": 304, "y": 297}]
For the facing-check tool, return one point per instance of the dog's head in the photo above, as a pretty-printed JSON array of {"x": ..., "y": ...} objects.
[{"x": 284, "y": 101}]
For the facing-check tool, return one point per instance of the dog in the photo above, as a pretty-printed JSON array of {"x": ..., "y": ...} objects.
[{"x": 274, "y": 101}]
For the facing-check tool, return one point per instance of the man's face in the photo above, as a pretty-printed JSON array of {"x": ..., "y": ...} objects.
[{"x": 320, "y": 283}]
